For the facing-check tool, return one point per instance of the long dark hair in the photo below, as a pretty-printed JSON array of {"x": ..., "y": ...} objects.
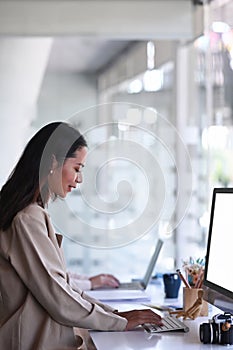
[{"x": 26, "y": 182}]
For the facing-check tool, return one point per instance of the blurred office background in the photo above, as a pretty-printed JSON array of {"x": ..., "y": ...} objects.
[{"x": 167, "y": 66}]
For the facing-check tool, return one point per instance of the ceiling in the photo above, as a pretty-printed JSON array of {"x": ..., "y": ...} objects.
[
  {"x": 83, "y": 54},
  {"x": 90, "y": 54},
  {"x": 86, "y": 41},
  {"x": 77, "y": 48}
]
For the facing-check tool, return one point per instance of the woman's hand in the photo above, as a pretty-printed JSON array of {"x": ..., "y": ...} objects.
[
  {"x": 138, "y": 317},
  {"x": 104, "y": 280}
]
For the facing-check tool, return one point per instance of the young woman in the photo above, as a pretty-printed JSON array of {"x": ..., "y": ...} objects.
[{"x": 38, "y": 307}]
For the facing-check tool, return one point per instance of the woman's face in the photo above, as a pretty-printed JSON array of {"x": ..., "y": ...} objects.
[{"x": 66, "y": 176}]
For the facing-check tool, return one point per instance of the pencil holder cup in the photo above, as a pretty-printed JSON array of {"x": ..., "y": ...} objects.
[
  {"x": 193, "y": 298},
  {"x": 171, "y": 285}
]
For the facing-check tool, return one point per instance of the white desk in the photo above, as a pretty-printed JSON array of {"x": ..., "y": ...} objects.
[{"x": 140, "y": 339}]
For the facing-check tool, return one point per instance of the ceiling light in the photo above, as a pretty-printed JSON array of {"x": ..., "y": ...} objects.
[
  {"x": 153, "y": 80},
  {"x": 220, "y": 27},
  {"x": 135, "y": 86}
]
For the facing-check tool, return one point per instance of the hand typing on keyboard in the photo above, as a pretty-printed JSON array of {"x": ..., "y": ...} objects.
[
  {"x": 169, "y": 324},
  {"x": 139, "y": 317}
]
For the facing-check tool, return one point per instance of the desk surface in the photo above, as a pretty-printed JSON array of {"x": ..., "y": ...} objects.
[{"x": 140, "y": 339}]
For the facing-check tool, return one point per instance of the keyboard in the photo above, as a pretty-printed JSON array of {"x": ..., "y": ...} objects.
[
  {"x": 130, "y": 285},
  {"x": 170, "y": 323}
]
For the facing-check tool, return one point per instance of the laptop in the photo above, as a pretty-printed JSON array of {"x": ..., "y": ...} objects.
[
  {"x": 141, "y": 284},
  {"x": 133, "y": 290}
]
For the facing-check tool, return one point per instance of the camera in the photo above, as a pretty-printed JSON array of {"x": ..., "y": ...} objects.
[{"x": 219, "y": 330}]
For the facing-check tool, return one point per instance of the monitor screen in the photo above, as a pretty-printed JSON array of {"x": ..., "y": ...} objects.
[{"x": 218, "y": 273}]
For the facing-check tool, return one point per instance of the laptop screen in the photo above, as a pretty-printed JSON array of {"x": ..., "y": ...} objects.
[{"x": 146, "y": 279}]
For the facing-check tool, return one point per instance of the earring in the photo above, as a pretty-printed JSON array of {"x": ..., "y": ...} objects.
[{"x": 51, "y": 172}]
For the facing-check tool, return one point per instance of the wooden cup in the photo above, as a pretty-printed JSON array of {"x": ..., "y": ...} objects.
[{"x": 190, "y": 296}]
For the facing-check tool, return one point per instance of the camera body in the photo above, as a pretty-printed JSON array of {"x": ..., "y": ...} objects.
[{"x": 219, "y": 330}]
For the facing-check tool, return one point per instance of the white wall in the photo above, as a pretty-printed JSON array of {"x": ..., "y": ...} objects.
[{"x": 64, "y": 94}]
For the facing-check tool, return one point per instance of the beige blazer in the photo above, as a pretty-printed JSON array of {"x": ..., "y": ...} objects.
[{"x": 38, "y": 307}]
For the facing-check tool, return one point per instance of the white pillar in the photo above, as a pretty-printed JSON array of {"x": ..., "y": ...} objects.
[{"x": 22, "y": 65}]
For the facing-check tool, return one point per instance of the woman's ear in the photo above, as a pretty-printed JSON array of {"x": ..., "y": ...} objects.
[{"x": 54, "y": 162}]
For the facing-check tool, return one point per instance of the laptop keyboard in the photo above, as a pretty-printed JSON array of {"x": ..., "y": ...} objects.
[
  {"x": 169, "y": 324},
  {"x": 130, "y": 285}
]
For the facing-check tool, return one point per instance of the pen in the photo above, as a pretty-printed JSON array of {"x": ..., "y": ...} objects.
[{"x": 183, "y": 279}]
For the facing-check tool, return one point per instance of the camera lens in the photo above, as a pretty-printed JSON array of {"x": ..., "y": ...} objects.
[
  {"x": 205, "y": 333},
  {"x": 209, "y": 333},
  {"x": 215, "y": 333}
]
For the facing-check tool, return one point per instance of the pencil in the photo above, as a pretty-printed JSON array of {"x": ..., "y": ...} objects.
[
  {"x": 200, "y": 280},
  {"x": 183, "y": 279}
]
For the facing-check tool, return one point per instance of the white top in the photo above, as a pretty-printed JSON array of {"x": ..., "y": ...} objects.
[{"x": 79, "y": 281}]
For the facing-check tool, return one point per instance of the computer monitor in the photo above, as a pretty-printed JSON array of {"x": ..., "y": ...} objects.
[{"x": 218, "y": 277}]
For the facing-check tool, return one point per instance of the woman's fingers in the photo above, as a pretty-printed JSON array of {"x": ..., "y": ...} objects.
[{"x": 138, "y": 317}]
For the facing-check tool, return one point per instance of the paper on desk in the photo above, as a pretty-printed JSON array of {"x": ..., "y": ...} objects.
[{"x": 119, "y": 295}]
